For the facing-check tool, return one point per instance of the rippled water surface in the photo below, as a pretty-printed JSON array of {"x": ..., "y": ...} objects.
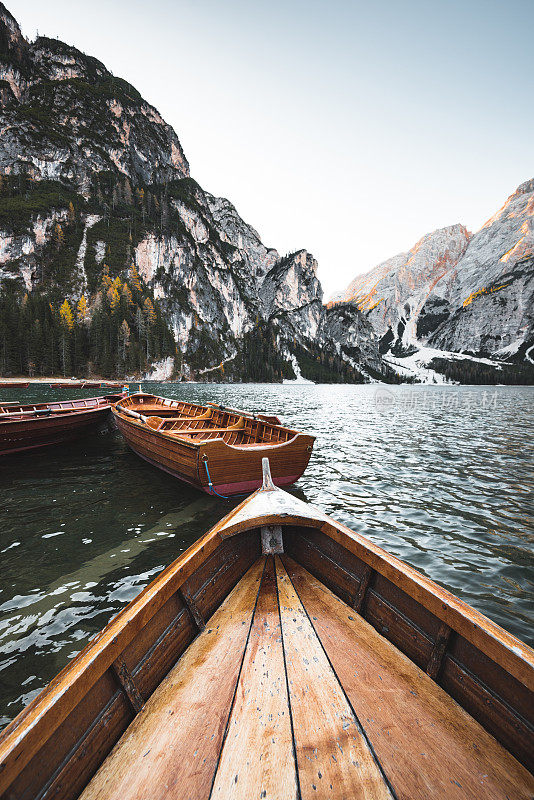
[{"x": 440, "y": 476}]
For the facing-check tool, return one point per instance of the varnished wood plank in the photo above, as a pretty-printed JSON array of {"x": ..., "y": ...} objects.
[
  {"x": 333, "y": 757},
  {"x": 492, "y": 674},
  {"x": 512, "y": 654},
  {"x": 192, "y": 608},
  {"x": 508, "y": 727},
  {"x": 164, "y": 653},
  {"x": 257, "y": 756},
  {"x": 171, "y": 749},
  {"x": 127, "y": 683},
  {"x": 362, "y": 588},
  {"x": 78, "y": 746},
  {"x": 335, "y": 575},
  {"x": 440, "y": 645},
  {"x": 392, "y": 624},
  {"x": 427, "y": 744}
]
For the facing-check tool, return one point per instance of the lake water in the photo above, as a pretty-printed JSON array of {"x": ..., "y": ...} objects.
[{"x": 440, "y": 476}]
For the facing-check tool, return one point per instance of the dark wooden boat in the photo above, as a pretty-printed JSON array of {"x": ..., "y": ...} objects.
[
  {"x": 283, "y": 656},
  {"x": 13, "y": 385},
  {"x": 26, "y": 427},
  {"x": 213, "y": 448}
]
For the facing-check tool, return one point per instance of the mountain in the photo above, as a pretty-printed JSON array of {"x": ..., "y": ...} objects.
[
  {"x": 114, "y": 259},
  {"x": 458, "y": 293}
]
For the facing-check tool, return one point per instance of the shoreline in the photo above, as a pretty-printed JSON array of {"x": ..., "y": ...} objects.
[{"x": 76, "y": 382}]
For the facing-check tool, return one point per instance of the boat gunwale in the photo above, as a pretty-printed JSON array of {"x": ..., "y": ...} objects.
[
  {"x": 61, "y": 412},
  {"x": 169, "y": 402},
  {"x": 21, "y": 739},
  {"x": 267, "y": 447},
  {"x": 174, "y": 437}
]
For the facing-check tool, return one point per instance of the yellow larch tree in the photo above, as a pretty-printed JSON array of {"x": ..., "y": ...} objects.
[
  {"x": 150, "y": 314},
  {"x": 106, "y": 280},
  {"x": 67, "y": 317},
  {"x": 58, "y": 236},
  {"x": 113, "y": 299},
  {"x": 135, "y": 279},
  {"x": 81, "y": 309},
  {"x": 127, "y": 294}
]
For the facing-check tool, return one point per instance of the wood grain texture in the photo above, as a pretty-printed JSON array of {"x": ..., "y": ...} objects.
[
  {"x": 333, "y": 757},
  {"x": 440, "y": 646},
  {"x": 192, "y": 608},
  {"x": 127, "y": 683},
  {"x": 73, "y": 752},
  {"x": 513, "y": 655},
  {"x": 257, "y": 757},
  {"x": 427, "y": 744},
  {"x": 171, "y": 749}
]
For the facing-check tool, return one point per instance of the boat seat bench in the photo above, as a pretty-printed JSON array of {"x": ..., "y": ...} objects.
[{"x": 289, "y": 693}]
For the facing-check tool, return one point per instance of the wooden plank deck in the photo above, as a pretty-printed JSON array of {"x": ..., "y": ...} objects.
[
  {"x": 426, "y": 743},
  {"x": 288, "y": 693},
  {"x": 260, "y": 716},
  {"x": 171, "y": 750}
]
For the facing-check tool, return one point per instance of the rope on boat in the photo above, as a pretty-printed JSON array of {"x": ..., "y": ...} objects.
[{"x": 210, "y": 484}]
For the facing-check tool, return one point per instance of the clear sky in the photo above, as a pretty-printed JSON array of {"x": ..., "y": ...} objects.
[{"x": 347, "y": 128}]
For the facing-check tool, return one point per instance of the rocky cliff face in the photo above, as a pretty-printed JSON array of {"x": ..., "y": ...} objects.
[
  {"x": 94, "y": 180},
  {"x": 458, "y": 292},
  {"x": 65, "y": 117},
  {"x": 489, "y": 307},
  {"x": 394, "y": 293}
]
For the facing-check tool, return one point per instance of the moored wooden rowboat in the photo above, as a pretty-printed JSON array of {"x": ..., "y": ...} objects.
[
  {"x": 283, "y": 656},
  {"x": 13, "y": 385},
  {"x": 29, "y": 426},
  {"x": 102, "y": 385},
  {"x": 214, "y": 448}
]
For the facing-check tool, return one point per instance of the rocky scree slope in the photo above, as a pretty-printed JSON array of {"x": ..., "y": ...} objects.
[
  {"x": 457, "y": 292},
  {"x": 94, "y": 181}
]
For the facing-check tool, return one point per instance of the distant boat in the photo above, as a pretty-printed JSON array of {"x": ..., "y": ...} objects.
[
  {"x": 283, "y": 656},
  {"x": 214, "y": 448},
  {"x": 102, "y": 385},
  {"x": 29, "y": 426},
  {"x": 13, "y": 385}
]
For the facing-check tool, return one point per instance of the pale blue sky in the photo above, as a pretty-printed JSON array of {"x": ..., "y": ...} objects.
[{"x": 347, "y": 128}]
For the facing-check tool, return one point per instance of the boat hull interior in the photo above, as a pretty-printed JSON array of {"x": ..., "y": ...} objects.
[{"x": 281, "y": 657}]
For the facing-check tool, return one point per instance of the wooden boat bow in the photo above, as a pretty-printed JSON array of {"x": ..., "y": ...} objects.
[{"x": 345, "y": 671}]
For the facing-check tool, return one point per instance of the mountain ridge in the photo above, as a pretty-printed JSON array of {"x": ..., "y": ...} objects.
[
  {"x": 456, "y": 291},
  {"x": 97, "y": 198}
]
